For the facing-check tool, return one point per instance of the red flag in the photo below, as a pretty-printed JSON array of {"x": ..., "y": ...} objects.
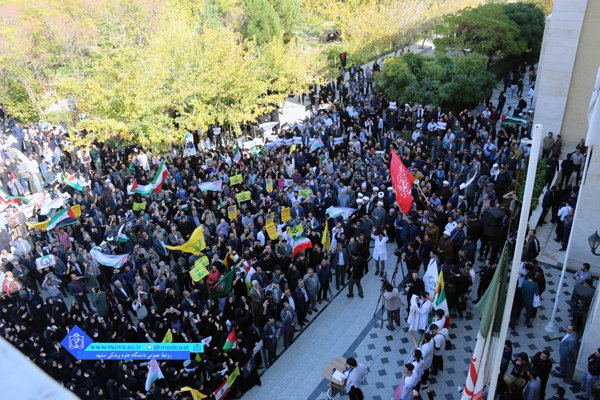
[{"x": 402, "y": 181}]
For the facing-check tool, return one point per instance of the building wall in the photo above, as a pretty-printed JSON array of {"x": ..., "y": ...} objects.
[
  {"x": 574, "y": 126},
  {"x": 588, "y": 219},
  {"x": 556, "y": 65}
]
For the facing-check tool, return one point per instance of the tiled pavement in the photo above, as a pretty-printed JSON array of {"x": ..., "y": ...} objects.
[
  {"x": 385, "y": 352},
  {"x": 347, "y": 327}
]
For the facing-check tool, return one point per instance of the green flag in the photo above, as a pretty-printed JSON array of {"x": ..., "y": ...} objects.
[
  {"x": 224, "y": 286},
  {"x": 491, "y": 305}
]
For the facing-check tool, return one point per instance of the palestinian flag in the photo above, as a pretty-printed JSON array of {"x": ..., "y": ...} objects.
[
  {"x": 72, "y": 180},
  {"x": 8, "y": 199},
  {"x": 214, "y": 186},
  {"x": 64, "y": 217},
  {"x": 439, "y": 301},
  {"x": 108, "y": 260},
  {"x": 136, "y": 188},
  {"x": 316, "y": 144},
  {"x": 159, "y": 178},
  {"x": 514, "y": 121},
  {"x": 122, "y": 237},
  {"x": 237, "y": 155},
  {"x": 231, "y": 342},
  {"x": 300, "y": 244}
]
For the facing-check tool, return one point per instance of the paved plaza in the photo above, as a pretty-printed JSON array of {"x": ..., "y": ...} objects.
[{"x": 346, "y": 327}]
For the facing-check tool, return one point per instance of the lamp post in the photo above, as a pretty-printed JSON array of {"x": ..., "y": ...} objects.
[{"x": 594, "y": 241}]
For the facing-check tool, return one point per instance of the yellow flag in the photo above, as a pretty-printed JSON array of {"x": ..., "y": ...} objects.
[
  {"x": 296, "y": 230},
  {"x": 196, "y": 395},
  {"x": 168, "y": 337},
  {"x": 285, "y": 214},
  {"x": 243, "y": 196},
  {"x": 234, "y": 374},
  {"x": 232, "y": 212},
  {"x": 292, "y": 149},
  {"x": 195, "y": 243},
  {"x": 199, "y": 271},
  {"x": 325, "y": 240},
  {"x": 235, "y": 179},
  {"x": 270, "y": 218},
  {"x": 198, "y": 357},
  {"x": 272, "y": 231},
  {"x": 139, "y": 206},
  {"x": 38, "y": 225},
  {"x": 269, "y": 185}
]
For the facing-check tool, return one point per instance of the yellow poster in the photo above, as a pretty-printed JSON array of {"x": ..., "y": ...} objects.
[
  {"x": 139, "y": 206},
  {"x": 285, "y": 214},
  {"x": 292, "y": 149},
  {"x": 296, "y": 230},
  {"x": 243, "y": 196},
  {"x": 235, "y": 179},
  {"x": 272, "y": 231},
  {"x": 232, "y": 212},
  {"x": 269, "y": 185}
]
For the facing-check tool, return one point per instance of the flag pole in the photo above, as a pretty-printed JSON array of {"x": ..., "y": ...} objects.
[
  {"x": 551, "y": 327},
  {"x": 514, "y": 272}
]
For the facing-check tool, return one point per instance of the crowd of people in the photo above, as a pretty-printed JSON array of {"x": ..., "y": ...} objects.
[{"x": 465, "y": 166}]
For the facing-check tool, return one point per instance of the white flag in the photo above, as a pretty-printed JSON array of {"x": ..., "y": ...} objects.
[{"x": 431, "y": 276}]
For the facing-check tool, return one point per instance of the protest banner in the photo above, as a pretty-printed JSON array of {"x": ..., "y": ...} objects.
[{"x": 285, "y": 214}]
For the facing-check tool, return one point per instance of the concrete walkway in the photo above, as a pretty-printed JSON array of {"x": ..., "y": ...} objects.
[{"x": 298, "y": 371}]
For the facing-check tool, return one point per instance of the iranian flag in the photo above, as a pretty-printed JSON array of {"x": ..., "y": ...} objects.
[
  {"x": 64, "y": 217},
  {"x": 8, "y": 199},
  {"x": 237, "y": 155},
  {"x": 72, "y": 181},
  {"x": 491, "y": 308},
  {"x": 159, "y": 177},
  {"x": 300, "y": 244},
  {"x": 402, "y": 181},
  {"x": 231, "y": 342},
  {"x": 439, "y": 301}
]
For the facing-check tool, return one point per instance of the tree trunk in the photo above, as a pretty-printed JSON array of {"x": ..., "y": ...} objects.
[{"x": 31, "y": 96}]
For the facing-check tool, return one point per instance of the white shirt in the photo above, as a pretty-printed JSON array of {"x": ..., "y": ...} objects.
[
  {"x": 563, "y": 212},
  {"x": 356, "y": 376},
  {"x": 380, "y": 249}
]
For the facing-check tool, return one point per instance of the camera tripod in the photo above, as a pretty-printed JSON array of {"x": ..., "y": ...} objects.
[{"x": 379, "y": 312}]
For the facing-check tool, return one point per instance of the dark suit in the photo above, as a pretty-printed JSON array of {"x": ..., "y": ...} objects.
[
  {"x": 301, "y": 305},
  {"x": 340, "y": 270},
  {"x": 123, "y": 298},
  {"x": 161, "y": 250}
]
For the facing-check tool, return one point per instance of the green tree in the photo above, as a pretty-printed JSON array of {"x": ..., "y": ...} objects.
[
  {"x": 439, "y": 80},
  {"x": 485, "y": 30},
  {"x": 531, "y": 20},
  {"x": 395, "y": 78},
  {"x": 470, "y": 82},
  {"x": 263, "y": 23}
]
